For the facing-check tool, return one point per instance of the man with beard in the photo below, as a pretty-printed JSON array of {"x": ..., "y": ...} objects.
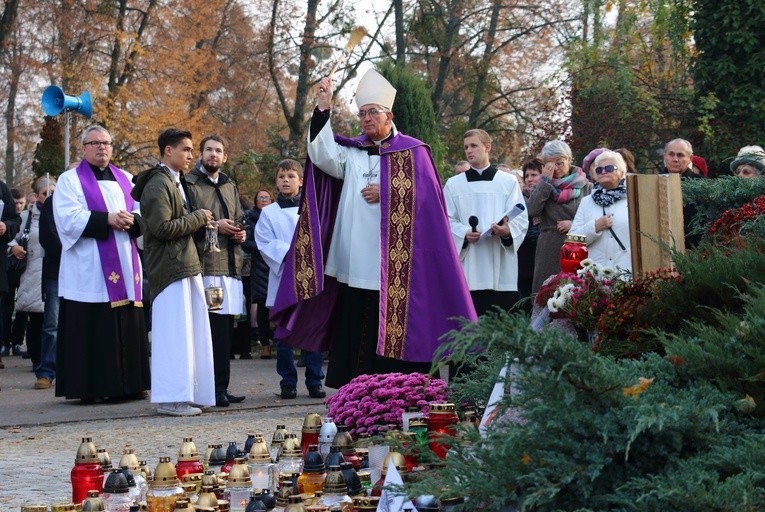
[{"x": 213, "y": 190}]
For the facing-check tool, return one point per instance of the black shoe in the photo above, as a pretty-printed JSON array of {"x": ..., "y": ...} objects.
[
  {"x": 289, "y": 393},
  {"x": 221, "y": 400},
  {"x": 246, "y": 355},
  {"x": 317, "y": 392},
  {"x": 234, "y": 399}
]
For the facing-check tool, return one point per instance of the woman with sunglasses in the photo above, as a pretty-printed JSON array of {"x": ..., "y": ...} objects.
[
  {"x": 554, "y": 200},
  {"x": 602, "y": 216}
]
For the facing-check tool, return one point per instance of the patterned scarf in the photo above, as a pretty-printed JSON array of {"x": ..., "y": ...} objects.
[
  {"x": 570, "y": 187},
  {"x": 607, "y": 196}
]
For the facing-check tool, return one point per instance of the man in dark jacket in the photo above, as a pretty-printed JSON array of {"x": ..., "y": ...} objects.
[
  {"x": 212, "y": 189},
  {"x": 51, "y": 244},
  {"x": 181, "y": 349},
  {"x": 10, "y": 223}
]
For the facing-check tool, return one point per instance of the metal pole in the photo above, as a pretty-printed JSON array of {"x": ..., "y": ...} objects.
[{"x": 66, "y": 139}]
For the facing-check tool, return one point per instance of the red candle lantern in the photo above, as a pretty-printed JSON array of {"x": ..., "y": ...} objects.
[
  {"x": 442, "y": 420},
  {"x": 573, "y": 252},
  {"x": 87, "y": 474},
  {"x": 188, "y": 459},
  {"x": 310, "y": 431}
]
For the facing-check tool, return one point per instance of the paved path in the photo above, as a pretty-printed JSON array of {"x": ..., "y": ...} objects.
[{"x": 39, "y": 433}]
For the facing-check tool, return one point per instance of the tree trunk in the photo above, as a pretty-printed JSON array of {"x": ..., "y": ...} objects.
[
  {"x": 10, "y": 126},
  {"x": 10, "y": 11},
  {"x": 398, "y": 6},
  {"x": 444, "y": 61},
  {"x": 485, "y": 64}
]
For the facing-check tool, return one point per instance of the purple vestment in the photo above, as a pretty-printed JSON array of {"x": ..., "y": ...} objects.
[
  {"x": 116, "y": 284},
  {"x": 423, "y": 293}
]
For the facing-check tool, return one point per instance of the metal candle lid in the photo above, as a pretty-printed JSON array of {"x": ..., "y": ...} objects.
[
  {"x": 207, "y": 498},
  {"x": 440, "y": 408},
  {"x": 312, "y": 423},
  {"x": 418, "y": 422},
  {"x": 34, "y": 508},
  {"x": 130, "y": 459},
  {"x": 398, "y": 461},
  {"x": 259, "y": 451},
  {"x": 239, "y": 476},
  {"x": 87, "y": 453},
  {"x": 579, "y": 239},
  {"x": 93, "y": 503},
  {"x": 334, "y": 483},
  {"x": 188, "y": 451},
  {"x": 362, "y": 503},
  {"x": 62, "y": 507},
  {"x": 280, "y": 434},
  {"x": 164, "y": 474},
  {"x": 291, "y": 447}
]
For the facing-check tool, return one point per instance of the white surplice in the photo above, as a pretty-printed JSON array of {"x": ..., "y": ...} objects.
[
  {"x": 273, "y": 236},
  {"x": 354, "y": 252},
  {"x": 81, "y": 276},
  {"x": 487, "y": 264},
  {"x": 181, "y": 346}
]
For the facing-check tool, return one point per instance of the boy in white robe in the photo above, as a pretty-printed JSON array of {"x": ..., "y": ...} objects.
[{"x": 273, "y": 235}]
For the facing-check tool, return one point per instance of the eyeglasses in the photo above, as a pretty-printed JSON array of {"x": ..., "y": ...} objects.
[
  {"x": 372, "y": 112},
  {"x": 606, "y": 169},
  {"x": 263, "y": 198},
  {"x": 97, "y": 143}
]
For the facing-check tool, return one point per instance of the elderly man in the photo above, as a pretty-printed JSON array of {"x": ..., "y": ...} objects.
[
  {"x": 677, "y": 160},
  {"x": 102, "y": 349},
  {"x": 372, "y": 267}
]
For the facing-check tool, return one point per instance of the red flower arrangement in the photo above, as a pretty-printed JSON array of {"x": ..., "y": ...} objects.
[
  {"x": 727, "y": 228},
  {"x": 621, "y": 324}
]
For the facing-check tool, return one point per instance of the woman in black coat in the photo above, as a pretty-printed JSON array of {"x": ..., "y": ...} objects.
[{"x": 259, "y": 273}]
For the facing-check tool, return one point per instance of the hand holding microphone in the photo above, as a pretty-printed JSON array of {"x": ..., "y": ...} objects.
[{"x": 473, "y": 235}]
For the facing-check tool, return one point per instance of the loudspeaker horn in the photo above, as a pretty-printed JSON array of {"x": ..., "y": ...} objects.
[{"x": 54, "y": 101}]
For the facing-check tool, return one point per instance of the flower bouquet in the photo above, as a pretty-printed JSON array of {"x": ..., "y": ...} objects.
[
  {"x": 369, "y": 402},
  {"x": 578, "y": 298}
]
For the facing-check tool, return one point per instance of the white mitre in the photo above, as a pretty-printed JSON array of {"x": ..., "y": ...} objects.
[{"x": 376, "y": 90}]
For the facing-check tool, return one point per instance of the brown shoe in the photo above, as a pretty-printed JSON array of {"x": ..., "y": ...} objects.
[
  {"x": 43, "y": 383},
  {"x": 265, "y": 352}
]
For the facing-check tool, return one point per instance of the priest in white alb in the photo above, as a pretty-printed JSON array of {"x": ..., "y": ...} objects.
[
  {"x": 478, "y": 202},
  {"x": 102, "y": 349}
]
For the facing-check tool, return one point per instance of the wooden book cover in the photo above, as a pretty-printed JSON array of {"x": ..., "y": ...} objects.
[{"x": 655, "y": 203}]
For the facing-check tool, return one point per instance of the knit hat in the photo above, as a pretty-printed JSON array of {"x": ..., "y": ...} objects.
[
  {"x": 701, "y": 164},
  {"x": 374, "y": 89},
  {"x": 752, "y": 155},
  {"x": 591, "y": 156}
]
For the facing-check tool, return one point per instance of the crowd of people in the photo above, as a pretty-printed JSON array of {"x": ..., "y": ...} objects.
[{"x": 147, "y": 286}]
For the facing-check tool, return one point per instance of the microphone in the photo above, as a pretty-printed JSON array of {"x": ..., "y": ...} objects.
[{"x": 473, "y": 221}]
